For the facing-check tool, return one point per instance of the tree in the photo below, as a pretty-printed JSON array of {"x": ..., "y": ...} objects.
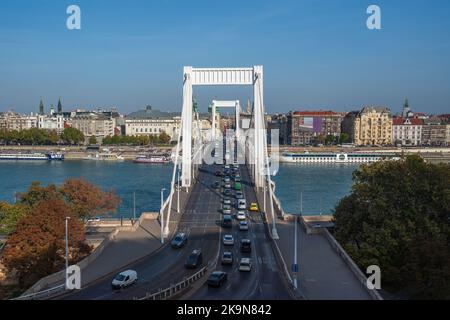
[
  {"x": 164, "y": 138},
  {"x": 330, "y": 139},
  {"x": 92, "y": 140},
  {"x": 36, "y": 248},
  {"x": 344, "y": 138},
  {"x": 398, "y": 217},
  {"x": 72, "y": 136},
  {"x": 10, "y": 214},
  {"x": 86, "y": 200}
]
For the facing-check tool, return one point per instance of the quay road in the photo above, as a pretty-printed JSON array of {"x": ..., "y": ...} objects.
[
  {"x": 265, "y": 280},
  {"x": 201, "y": 221}
]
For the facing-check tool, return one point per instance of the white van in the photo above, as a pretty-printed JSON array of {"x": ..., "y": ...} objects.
[{"x": 124, "y": 279}]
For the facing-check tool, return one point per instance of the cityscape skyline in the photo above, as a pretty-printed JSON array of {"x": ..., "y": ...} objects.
[{"x": 129, "y": 56}]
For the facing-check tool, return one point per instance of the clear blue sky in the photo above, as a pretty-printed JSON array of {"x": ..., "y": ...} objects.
[{"x": 316, "y": 54}]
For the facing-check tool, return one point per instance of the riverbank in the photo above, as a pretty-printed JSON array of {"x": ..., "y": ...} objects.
[{"x": 80, "y": 152}]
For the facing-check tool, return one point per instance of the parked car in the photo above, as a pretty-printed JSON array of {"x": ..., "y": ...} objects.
[
  {"x": 243, "y": 226},
  {"x": 227, "y": 258},
  {"x": 124, "y": 279},
  {"x": 246, "y": 245},
  {"x": 245, "y": 265},
  {"x": 228, "y": 240},
  {"x": 179, "y": 241},
  {"x": 194, "y": 260},
  {"x": 217, "y": 278}
]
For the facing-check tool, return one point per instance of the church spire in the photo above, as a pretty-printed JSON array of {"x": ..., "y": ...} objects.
[
  {"x": 59, "y": 106},
  {"x": 41, "y": 107}
]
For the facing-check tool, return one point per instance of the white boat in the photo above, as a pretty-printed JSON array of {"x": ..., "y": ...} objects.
[
  {"x": 36, "y": 156},
  {"x": 291, "y": 157},
  {"x": 105, "y": 156}
]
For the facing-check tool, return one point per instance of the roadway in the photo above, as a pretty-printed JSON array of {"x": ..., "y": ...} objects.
[
  {"x": 264, "y": 281},
  {"x": 201, "y": 221}
]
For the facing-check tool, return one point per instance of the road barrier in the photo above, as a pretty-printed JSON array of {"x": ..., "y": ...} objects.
[
  {"x": 43, "y": 294},
  {"x": 169, "y": 292}
]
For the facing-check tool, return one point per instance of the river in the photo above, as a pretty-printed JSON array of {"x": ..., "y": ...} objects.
[{"x": 322, "y": 185}]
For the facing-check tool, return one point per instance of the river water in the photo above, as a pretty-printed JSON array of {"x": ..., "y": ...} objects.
[{"x": 322, "y": 185}]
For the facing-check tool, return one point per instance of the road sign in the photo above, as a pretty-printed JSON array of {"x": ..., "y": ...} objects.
[{"x": 294, "y": 267}]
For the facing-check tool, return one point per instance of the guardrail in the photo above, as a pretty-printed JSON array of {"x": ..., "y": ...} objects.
[
  {"x": 176, "y": 288},
  {"x": 42, "y": 294},
  {"x": 351, "y": 264}
]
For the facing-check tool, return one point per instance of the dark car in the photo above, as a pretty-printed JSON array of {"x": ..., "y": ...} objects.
[
  {"x": 218, "y": 174},
  {"x": 227, "y": 192},
  {"x": 246, "y": 245},
  {"x": 227, "y": 221},
  {"x": 217, "y": 278},
  {"x": 194, "y": 260},
  {"x": 179, "y": 241},
  {"x": 216, "y": 185}
]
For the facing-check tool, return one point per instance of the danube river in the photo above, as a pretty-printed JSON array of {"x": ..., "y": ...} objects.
[{"x": 322, "y": 185}]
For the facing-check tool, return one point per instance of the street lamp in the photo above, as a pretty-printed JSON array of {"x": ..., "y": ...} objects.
[
  {"x": 178, "y": 189},
  {"x": 162, "y": 215},
  {"x": 67, "y": 246}
]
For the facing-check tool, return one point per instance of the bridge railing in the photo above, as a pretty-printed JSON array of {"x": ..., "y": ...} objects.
[
  {"x": 43, "y": 294},
  {"x": 169, "y": 292}
]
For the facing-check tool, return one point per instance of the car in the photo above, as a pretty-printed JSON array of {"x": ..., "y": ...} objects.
[
  {"x": 226, "y": 209},
  {"x": 243, "y": 226},
  {"x": 246, "y": 245},
  {"x": 239, "y": 195},
  {"x": 218, "y": 174},
  {"x": 245, "y": 265},
  {"x": 227, "y": 258},
  {"x": 179, "y": 241},
  {"x": 226, "y": 167},
  {"x": 237, "y": 186},
  {"x": 226, "y": 179},
  {"x": 124, "y": 279},
  {"x": 227, "y": 201},
  {"x": 228, "y": 240},
  {"x": 227, "y": 185},
  {"x": 253, "y": 207},
  {"x": 227, "y": 192},
  {"x": 227, "y": 221},
  {"x": 216, "y": 185},
  {"x": 240, "y": 215},
  {"x": 241, "y": 205},
  {"x": 194, "y": 260},
  {"x": 237, "y": 179},
  {"x": 216, "y": 278}
]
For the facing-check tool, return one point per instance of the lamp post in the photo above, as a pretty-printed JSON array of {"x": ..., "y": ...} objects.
[
  {"x": 134, "y": 206},
  {"x": 296, "y": 242},
  {"x": 178, "y": 189},
  {"x": 67, "y": 246},
  {"x": 162, "y": 215}
]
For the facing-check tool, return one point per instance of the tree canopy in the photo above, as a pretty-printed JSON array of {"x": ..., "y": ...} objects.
[
  {"x": 398, "y": 217},
  {"x": 72, "y": 136}
]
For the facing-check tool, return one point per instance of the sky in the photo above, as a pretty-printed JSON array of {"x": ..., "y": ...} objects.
[{"x": 316, "y": 54}]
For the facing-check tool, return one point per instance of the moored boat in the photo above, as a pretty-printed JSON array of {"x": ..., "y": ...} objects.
[
  {"x": 152, "y": 159},
  {"x": 35, "y": 156},
  {"x": 307, "y": 157}
]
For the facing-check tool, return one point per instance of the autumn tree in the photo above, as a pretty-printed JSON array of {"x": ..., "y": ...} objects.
[
  {"x": 37, "y": 246},
  {"x": 87, "y": 200}
]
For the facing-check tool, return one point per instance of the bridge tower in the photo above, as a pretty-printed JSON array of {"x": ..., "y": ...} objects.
[{"x": 223, "y": 76}]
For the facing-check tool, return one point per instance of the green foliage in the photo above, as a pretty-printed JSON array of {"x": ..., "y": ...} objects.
[
  {"x": 10, "y": 214},
  {"x": 92, "y": 140},
  {"x": 398, "y": 217},
  {"x": 72, "y": 136},
  {"x": 330, "y": 139},
  {"x": 344, "y": 138},
  {"x": 33, "y": 136},
  {"x": 143, "y": 140}
]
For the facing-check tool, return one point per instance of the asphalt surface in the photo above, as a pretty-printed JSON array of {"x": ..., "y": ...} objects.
[
  {"x": 264, "y": 281},
  {"x": 201, "y": 221}
]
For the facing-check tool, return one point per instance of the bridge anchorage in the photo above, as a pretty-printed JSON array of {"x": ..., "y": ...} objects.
[{"x": 251, "y": 141}]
